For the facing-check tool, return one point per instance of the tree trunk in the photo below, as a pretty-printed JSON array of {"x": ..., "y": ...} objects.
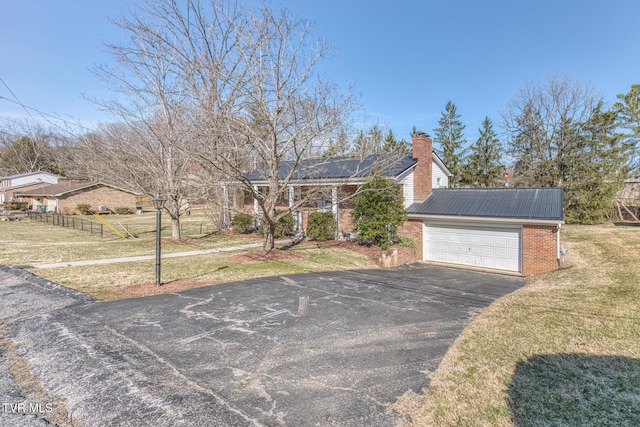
[
  {"x": 269, "y": 236},
  {"x": 174, "y": 213}
]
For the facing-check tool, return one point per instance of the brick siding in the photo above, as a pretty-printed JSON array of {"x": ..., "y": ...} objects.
[
  {"x": 111, "y": 197},
  {"x": 539, "y": 249},
  {"x": 411, "y": 229}
]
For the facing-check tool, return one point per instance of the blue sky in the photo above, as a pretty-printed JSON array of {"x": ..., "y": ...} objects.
[{"x": 406, "y": 59}]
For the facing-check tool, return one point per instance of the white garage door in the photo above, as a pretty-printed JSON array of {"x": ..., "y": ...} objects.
[{"x": 495, "y": 248}]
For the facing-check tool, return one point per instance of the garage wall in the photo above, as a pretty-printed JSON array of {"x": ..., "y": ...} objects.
[{"x": 539, "y": 249}]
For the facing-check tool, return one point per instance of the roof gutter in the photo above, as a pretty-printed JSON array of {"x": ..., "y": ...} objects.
[{"x": 485, "y": 220}]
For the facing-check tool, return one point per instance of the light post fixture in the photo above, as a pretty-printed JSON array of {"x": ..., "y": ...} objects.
[{"x": 158, "y": 203}]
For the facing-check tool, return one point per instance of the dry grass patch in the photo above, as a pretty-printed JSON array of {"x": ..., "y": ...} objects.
[
  {"x": 135, "y": 279},
  {"x": 562, "y": 351}
]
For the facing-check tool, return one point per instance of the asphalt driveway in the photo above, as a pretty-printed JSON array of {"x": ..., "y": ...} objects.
[{"x": 302, "y": 350}]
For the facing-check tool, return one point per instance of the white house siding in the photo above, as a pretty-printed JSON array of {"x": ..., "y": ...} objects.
[
  {"x": 440, "y": 178},
  {"x": 407, "y": 189}
]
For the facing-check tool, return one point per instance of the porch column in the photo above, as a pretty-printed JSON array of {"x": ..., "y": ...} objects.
[
  {"x": 225, "y": 207},
  {"x": 255, "y": 201},
  {"x": 296, "y": 216},
  {"x": 334, "y": 206}
]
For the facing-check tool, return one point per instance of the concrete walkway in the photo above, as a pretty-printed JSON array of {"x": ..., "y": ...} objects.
[{"x": 151, "y": 257}]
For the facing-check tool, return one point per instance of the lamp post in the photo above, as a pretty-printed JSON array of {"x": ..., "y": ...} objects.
[{"x": 158, "y": 203}]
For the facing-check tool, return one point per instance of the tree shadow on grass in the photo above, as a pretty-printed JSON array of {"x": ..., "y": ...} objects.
[{"x": 575, "y": 390}]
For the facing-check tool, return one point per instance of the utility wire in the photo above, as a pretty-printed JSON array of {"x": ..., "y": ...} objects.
[{"x": 42, "y": 114}]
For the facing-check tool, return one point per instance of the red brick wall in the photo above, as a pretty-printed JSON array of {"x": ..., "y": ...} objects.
[
  {"x": 96, "y": 196},
  {"x": 539, "y": 249},
  {"x": 422, "y": 147},
  {"x": 413, "y": 230}
]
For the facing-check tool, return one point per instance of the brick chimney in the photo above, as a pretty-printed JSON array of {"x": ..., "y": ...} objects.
[{"x": 422, "y": 148}]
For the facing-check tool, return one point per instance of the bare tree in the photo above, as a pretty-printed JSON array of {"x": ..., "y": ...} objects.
[
  {"x": 285, "y": 114},
  {"x": 177, "y": 67},
  {"x": 539, "y": 122},
  {"x": 214, "y": 87}
]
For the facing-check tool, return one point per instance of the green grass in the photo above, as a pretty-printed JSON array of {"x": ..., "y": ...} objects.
[{"x": 562, "y": 351}]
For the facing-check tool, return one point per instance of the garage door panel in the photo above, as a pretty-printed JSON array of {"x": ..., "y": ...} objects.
[{"x": 486, "y": 247}]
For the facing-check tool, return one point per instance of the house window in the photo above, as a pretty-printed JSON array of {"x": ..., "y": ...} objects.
[{"x": 324, "y": 205}]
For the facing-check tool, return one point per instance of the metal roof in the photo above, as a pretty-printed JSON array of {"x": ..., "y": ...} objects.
[
  {"x": 521, "y": 203},
  {"x": 392, "y": 165}
]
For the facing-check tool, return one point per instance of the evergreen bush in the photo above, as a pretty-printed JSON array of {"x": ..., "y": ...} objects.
[{"x": 322, "y": 226}]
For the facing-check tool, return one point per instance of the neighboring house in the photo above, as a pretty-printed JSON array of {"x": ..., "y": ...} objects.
[
  {"x": 65, "y": 197},
  {"x": 9, "y": 185},
  {"x": 334, "y": 181}
]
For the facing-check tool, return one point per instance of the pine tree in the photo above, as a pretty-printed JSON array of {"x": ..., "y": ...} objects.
[
  {"x": 628, "y": 109},
  {"x": 449, "y": 136},
  {"x": 393, "y": 145},
  {"x": 483, "y": 167}
]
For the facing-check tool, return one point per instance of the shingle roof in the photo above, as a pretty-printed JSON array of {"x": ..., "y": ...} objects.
[
  {"x": 340, "y": 167},
  {"x": 521, "y": 203}
]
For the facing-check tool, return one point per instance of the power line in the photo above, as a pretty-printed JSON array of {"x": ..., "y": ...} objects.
[{"x": 42, "y": 114}]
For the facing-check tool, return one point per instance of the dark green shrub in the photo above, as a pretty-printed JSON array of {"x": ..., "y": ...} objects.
[
  {"x": 321, "y": 226},
  {"x": 122, "y": 210},
  {"x": 284, "y": 226},
  {"x": 242, "y": 223},
  {"x": 84, "y": 208}
]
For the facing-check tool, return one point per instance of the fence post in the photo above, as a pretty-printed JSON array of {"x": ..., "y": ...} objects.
[
  {"x": 101, "y": 230},
  {"x": 91, "y": 227}
]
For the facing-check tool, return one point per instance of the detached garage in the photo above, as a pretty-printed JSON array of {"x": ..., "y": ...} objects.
[{"x": 508, "y": 229}]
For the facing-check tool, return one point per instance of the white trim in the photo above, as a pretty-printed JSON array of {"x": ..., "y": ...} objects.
[{"x": 483, "y": 220}]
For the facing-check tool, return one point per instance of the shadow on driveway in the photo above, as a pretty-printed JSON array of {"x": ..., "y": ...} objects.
[{"x": 315, "y": 349}]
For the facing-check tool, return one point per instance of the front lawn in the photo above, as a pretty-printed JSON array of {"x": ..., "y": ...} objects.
[
  {"x": 562, "y": 351},
  {"x": 26, "y": 243}
]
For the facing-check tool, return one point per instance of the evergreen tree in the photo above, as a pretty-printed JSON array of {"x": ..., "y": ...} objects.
[
  {"x": 379, "y": 210},
  {"x": 562, "y": 137},
  {"x": 449, "y": 136},
  {"x": 27, "y": 154},
  {"x": 594, "y": 171},
  {"x": 628, "y": 109},
  {"x": 483, "y": 167},
  {"x": 393, "y": 145}
]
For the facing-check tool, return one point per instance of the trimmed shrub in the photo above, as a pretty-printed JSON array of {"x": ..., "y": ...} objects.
[
  {"x": 284, "y": 226},
  {"x": 84, "y": 209},
  {"x": 242, "y": 223},
  {"x": 122, "y": 210},
  {"x": 322, "y": 226}
]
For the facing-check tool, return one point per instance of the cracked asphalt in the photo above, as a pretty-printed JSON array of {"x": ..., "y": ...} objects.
[{"x": 316, "y": 349}]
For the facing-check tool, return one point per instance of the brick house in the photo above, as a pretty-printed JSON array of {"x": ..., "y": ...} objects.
[
  {"x": 330, "y": 184},
  {"x": 504, "y": 229},
  {"x": 65, "y": 197}
]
